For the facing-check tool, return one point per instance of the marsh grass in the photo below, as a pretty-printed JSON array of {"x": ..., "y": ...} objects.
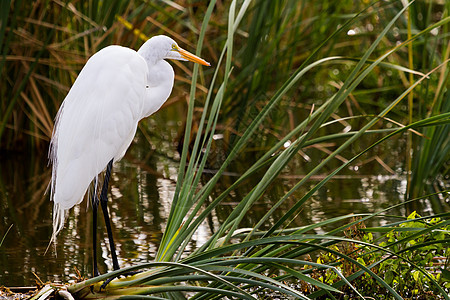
[
  {"x": 44, "y": 45},
  {"x": 288, "y": 76}
]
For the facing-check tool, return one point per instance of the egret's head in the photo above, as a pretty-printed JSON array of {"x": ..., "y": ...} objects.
[{"x": 163, "y": 47}]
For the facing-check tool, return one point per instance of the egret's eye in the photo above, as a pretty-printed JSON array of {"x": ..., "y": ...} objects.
[{"x": 174, "y": 47}]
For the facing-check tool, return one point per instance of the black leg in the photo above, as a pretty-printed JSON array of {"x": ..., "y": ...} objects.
[
  {"x": 94, "y": 201},
  {"x": 104, "y": 204}
]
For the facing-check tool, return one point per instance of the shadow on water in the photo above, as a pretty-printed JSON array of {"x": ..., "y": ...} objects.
[
  {"x": 142, "y": 187},
  {"x": 138, "y": 221}
]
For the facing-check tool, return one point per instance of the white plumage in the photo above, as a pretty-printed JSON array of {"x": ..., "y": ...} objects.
[{"x": 99, "y": 116}]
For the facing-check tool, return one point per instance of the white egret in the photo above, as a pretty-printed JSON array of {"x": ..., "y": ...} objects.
[{"x": 98, "y": 120}]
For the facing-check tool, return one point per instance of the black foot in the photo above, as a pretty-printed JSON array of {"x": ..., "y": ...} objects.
[{"x": 107, "y": 281}]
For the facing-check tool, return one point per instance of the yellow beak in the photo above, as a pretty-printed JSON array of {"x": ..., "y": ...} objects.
[{"x": 191, "y": 57}]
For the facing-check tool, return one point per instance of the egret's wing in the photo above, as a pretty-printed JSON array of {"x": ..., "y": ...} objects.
[{"x": 96, "y": 122}]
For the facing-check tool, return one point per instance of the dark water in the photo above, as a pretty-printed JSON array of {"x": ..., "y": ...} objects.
[{"x": 142, "y": 187}]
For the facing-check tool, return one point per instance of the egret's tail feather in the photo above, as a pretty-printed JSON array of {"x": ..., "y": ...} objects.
[{"x": 59, "y": 216}]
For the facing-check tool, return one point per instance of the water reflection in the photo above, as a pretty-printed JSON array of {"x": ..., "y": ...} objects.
[{"x": 142, "y": 187}]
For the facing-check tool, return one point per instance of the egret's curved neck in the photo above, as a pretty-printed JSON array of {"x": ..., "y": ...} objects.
[{"x": 160, "y": 78}]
